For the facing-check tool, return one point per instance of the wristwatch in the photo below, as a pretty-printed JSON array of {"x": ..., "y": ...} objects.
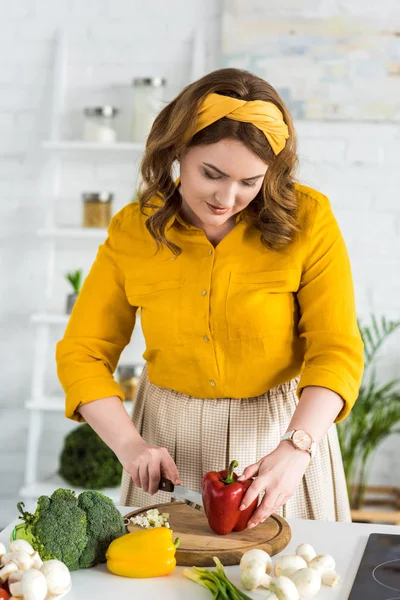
[{"x": 301, "y": 440}]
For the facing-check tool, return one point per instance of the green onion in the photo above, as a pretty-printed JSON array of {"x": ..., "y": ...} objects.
[{"x": 216, "y": 581}]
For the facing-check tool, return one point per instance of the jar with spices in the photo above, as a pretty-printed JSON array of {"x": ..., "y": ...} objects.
[
  {"x": 97, "y": 209},
  {"x": 147, "y": 103},
  {"x": 128, "y": 378},
  {"x": 99, "y": 124}
]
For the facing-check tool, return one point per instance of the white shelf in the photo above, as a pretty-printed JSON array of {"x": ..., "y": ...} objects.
[
  {"x": 57, "y": 404},
  {"x": 74, "y": 145},
  {"x": 47, "y": 403},
  {"x": 53, "y": 153},
  {"x": 48, "y": 486},
  {"x": 73, "y": 232},
  {"x": 50, "y": 318}
]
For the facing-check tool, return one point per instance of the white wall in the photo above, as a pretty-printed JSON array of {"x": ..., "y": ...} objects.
[
  {"x": 111, "y": 41},
  {"x": 115, "y": 40}
]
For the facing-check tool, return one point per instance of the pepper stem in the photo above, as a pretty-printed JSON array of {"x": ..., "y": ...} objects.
[
  {"x": 177, "y": 542},
  {"x": 230, "y": 478}
]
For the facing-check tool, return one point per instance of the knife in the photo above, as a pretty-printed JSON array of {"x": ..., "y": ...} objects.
[{"x": 182, "y": 494}]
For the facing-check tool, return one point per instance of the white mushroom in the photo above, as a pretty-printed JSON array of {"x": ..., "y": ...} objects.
[
  {"x": 330, "y": 578},
  {"x": 18, "y": 545},
  {"x": 32, "y": 586},
  {"x": 308, "y": 582},
  {"x": 22, "y": 559},
  {"x": 306, "y": 551},
  {"x": 36, "y": 560},
  {"x": 16, "y": 576},
  {"x": 289, "y": 564},
  {"x": 256, "y": 555},
  {"x": 6, "y": 571},
  {"x": 255, "y": 566},
  {"x": 284, "y": 588},
  {"x": 323, "y": 562},
  {"x": 253, "y": 575},
  {"x": 269, "y": 596},
  {"x": 3, "y": 549},
  {"x": 57, "y": 576},
  {"x": 21, "y": 545}
]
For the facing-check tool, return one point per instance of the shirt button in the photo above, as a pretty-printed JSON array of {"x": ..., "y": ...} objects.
[
  {"x": 210, "y": 252},
  {"x": 204, "y": 293},
  {"x": 206, "y": 339},
  {"x": 212, "y": 382}
]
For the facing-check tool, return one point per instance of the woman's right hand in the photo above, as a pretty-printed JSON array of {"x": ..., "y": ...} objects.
[{"x": 147, "y": 464}]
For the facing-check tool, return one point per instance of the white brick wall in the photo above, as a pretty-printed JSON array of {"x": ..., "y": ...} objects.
[{"x": 114, "y": 40}]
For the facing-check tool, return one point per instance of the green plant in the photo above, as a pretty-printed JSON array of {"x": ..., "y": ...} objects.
[
  {"x": 374, "y": 416},
  {"x": 75, "y": 279},
  {"x": 86, "y": 461}
]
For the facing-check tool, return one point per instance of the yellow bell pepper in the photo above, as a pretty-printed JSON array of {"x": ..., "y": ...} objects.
[{"x": 146, "y": 553}]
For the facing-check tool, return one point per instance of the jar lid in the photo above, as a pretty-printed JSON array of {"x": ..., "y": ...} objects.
[
  {"x": 101, "y": 111},
  {"x": 97, "y": 197},
  {"x": 149, "y": 81}
]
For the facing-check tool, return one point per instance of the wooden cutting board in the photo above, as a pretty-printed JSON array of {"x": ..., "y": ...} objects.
[{"x": 199, "y": 543}]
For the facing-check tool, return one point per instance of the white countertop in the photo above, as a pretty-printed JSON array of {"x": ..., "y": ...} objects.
[{"x": 344, "y": 541}]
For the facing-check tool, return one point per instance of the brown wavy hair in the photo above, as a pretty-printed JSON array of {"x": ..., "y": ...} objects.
[{"x": 273, "y": 210}]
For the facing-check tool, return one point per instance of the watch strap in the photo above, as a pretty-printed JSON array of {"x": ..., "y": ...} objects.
[{"x": 288, "y": 436}]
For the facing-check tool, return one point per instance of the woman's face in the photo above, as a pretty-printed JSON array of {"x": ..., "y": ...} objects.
[{"x": 218, "y": 181}]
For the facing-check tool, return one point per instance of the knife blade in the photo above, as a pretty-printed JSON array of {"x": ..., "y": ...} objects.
[{"x": 182, "y": 494}]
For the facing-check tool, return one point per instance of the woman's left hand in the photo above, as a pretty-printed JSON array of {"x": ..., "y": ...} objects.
[{"x": 279, "y": 474}]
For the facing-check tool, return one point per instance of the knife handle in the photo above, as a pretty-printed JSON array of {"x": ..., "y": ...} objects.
[{"x": 166, "y": 485}]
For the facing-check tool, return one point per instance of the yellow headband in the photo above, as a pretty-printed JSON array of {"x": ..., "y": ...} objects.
[{"x": 264, "y": 115}]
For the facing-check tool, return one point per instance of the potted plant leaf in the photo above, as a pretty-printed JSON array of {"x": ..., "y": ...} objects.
[
  {"x": 75, "y": 279},
  {"x": 375, "y": 415}
]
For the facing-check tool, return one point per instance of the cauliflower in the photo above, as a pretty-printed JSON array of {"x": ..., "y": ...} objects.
[{"x": 151, "y": 519}]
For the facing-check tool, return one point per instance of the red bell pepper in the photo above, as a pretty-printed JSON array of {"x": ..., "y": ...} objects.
[{"x": 222, "y": 496}]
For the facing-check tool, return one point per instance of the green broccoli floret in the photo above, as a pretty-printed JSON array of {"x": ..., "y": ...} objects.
[
  {"x": 76, "y": 531},
  {"x": 104, "y": 524},
  {"x": 57, "y": 529},
  {"x": 86, "y": 461}
]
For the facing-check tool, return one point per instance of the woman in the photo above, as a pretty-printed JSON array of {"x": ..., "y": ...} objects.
[{"x": 247, "y": 309}]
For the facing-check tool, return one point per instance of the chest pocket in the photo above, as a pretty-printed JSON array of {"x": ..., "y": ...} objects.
[
  {"x": 262, "y": 304},
  {"x": 161, "y": 304}
]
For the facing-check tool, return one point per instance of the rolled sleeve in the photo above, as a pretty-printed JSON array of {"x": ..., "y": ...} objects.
[
  {"x": 99, "y": 328},
  {"x": 333, "y": 353}
]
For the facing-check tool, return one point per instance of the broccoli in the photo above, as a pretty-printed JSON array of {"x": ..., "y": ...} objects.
[
  {"x": 57, "y": 528},
  {"x": 104, "y": 524},
  {"x": 86, "y": 461},
  {"x": 76, "y": 531}
]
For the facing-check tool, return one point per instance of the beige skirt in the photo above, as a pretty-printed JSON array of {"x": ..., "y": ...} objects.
[{"x": 205, "y": 435}]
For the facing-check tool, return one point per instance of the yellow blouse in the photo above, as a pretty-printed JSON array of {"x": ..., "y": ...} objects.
[{"x": 230, "y": 321}]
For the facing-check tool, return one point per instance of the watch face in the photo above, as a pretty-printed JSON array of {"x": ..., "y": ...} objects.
[{"x": 302, "y": 440}]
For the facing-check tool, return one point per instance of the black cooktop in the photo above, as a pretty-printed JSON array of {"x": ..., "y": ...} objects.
[{"x": 378, "y": 576}]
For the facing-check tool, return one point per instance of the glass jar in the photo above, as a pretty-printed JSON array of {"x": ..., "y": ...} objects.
[
  {"x": 128, "y": 378},
  {"x": 99, "y": 124},
  {"x": 147, "y": 103},
  {"x": 97, "y": 209}
]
